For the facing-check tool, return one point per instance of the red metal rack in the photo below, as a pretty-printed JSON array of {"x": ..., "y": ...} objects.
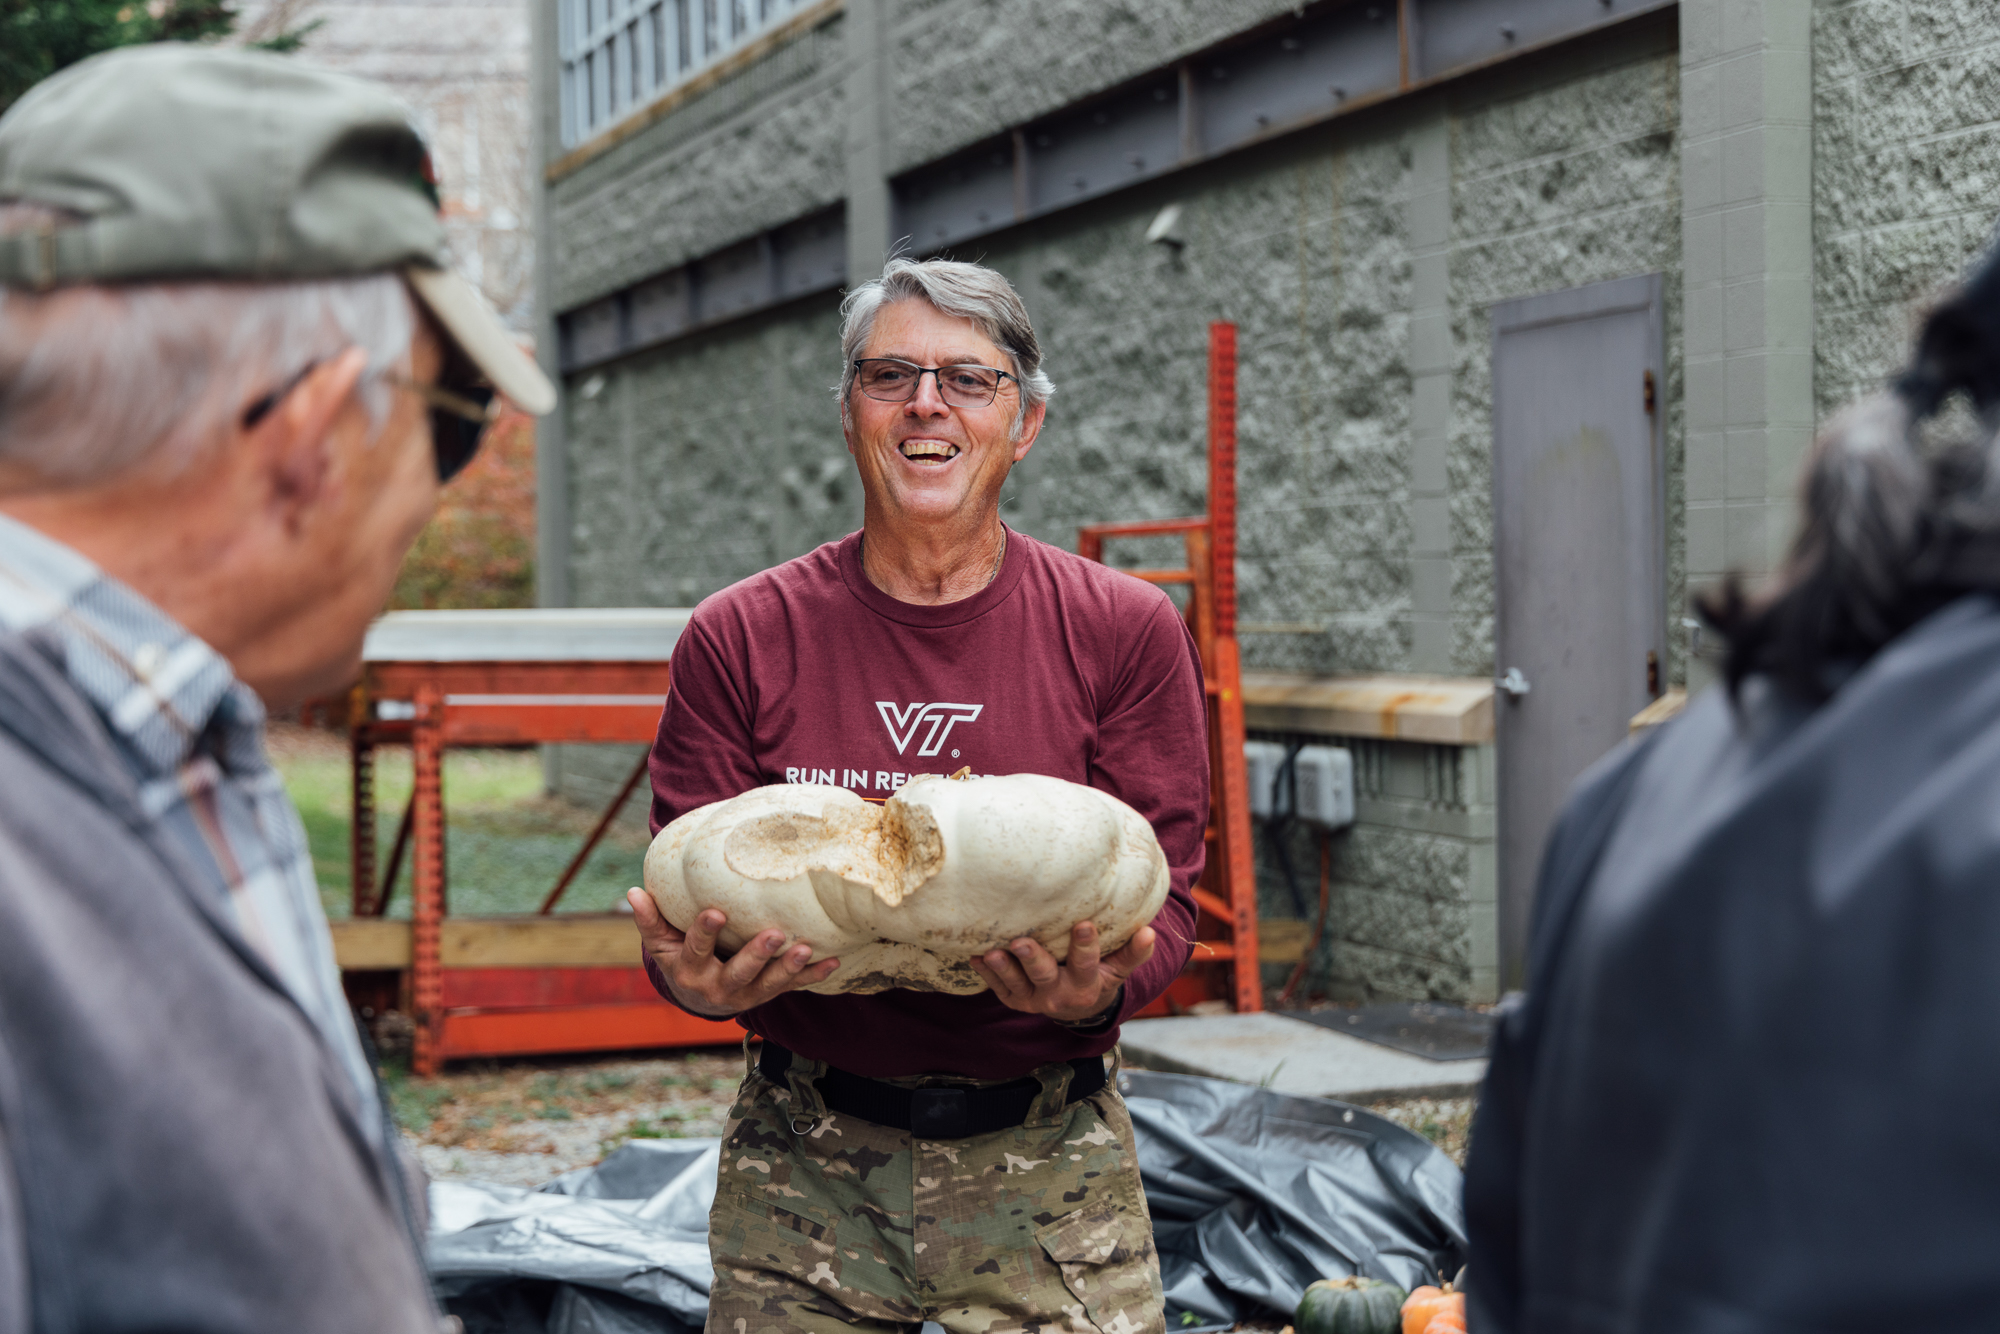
[
  {"x": 515, "y": 985},
  {"x": 1225, "y": 962}
]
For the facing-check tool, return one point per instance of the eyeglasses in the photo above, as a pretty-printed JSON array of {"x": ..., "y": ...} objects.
[
  {"x": 890, "y": 380},
  {"x": 458, "y": 417}
]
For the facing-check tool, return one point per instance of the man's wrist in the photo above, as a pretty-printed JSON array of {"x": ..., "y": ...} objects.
[
  {"x": 1100, "y": 1021},
  {"x": 697, "y": 1011}
]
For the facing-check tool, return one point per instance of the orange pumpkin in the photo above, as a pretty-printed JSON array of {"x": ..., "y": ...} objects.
[
  {"x": 1446, "y": 1322},
  {"x": 1428, "y": 1302}
]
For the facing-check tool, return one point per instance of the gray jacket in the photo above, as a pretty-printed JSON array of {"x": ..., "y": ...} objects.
[
  {"x": 1750, "y": 1088},
  {"x": 178, "y": 1145}
]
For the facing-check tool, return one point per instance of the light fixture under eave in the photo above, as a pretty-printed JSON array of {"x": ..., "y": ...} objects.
[{"x": 1166, "y": 228}]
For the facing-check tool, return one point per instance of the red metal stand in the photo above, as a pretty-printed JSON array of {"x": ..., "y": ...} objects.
[
  {"x": 1226, "y": 927},
  {"x": 427, "y": 873},
  {"x": 520, "y": 985}
]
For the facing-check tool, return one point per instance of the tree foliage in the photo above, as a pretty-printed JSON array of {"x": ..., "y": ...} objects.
[
  {"x": 39, "y": 37},
  {"x": 479, "y": 549}
]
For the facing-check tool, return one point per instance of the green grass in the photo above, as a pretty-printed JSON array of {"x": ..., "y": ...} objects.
[
  {"x": 413, "y": 1102},
  {"x": 505, "y": 842}
]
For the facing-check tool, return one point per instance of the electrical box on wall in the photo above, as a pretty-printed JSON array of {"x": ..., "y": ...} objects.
[
  {"x": 1319, "y": 786},
  {"x": 1323, "y": 785},
  {"x": 1261, "y": 762}
]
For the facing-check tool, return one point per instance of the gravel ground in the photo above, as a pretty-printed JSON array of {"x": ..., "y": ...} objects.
[
  {"x": 522, "y": 1123},
  {"x": 1445, "y": 1122},
  {"x": 525, "y": 1122}
]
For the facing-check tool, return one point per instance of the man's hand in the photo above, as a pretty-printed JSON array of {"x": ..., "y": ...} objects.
[
  {"x": 718, "y": 988},
  {"x": 1027, "y": 977}
]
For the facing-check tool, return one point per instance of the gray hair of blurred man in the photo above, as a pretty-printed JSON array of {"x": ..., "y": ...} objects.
[
  {"x": 100, "y": 380},
  {"x": 967, "y": 292}
]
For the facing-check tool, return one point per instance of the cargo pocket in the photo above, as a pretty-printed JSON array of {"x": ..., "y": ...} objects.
[
  {"x": 812, "y": 1247},
  {"x": 1105, "y": 1254}
]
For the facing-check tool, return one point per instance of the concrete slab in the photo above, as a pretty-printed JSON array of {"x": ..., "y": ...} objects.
[{"x": 1291, "y": 1056}]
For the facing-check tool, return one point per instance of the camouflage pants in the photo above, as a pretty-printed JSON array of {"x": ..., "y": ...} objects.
[{"x": 827, "y": 1222}]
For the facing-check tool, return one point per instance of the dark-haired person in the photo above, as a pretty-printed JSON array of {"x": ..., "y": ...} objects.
[
  {"x": 233, "y": 376},
  {"x": 1754, "y": 1081}
]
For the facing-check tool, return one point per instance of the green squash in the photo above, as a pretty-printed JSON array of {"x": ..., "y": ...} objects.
[{"x": 1350, "y": 1306}]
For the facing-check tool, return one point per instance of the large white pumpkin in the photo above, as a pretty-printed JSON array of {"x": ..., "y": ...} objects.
[{"x": 906, "y": 892}]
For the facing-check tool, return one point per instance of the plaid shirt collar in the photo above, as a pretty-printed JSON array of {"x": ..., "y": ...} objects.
[{"x": 162, "y": 691}]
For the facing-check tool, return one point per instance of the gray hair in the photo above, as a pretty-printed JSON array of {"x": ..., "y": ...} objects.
[
  {"x": 965, "y": 291},
  {"x": 96, "y": 380}
]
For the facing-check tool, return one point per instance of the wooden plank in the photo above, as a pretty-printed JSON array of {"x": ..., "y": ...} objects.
[
  {"x": 579, "y": 1028},
  {"x": 1443, "y": 710},
  {"x": 363, "y": 943},
  {"x": 571, "y": 940},
  {"x": 1282, "y": 939},
  {"x": 1666, "y": 706}
]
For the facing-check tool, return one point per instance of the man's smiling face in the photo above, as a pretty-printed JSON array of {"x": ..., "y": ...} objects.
[{"x": 926, "y": 461}]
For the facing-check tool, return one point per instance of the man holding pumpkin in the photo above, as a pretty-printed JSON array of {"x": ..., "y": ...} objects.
[{"x": 904, "y": 1156}]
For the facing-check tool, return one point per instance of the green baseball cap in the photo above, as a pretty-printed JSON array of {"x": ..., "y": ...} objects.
[{"x": 182, "y": 162}]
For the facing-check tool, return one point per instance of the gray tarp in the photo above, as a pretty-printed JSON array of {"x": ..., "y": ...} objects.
[{"x": 1254, "y": 1195}]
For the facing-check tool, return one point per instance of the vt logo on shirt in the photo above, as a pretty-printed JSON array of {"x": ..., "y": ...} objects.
[{"x": 904, "y": 719}]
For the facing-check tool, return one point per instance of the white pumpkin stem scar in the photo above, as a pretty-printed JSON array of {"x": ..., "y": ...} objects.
[{"x": 964, "y": 773}]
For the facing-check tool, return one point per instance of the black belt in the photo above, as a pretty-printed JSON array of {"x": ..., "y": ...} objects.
[{"x": 942, "y": 1111}]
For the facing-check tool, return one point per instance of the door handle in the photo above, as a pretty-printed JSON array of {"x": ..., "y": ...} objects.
[{"x": 1512, "y": 683}]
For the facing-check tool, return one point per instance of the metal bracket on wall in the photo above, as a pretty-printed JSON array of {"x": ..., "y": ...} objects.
[
  {"x": 1322, "y": 61},
  {"x": 765, "y": 270}
]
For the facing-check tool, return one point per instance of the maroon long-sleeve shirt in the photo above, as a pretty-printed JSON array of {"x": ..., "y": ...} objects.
[{"x": 808, "y": 673}]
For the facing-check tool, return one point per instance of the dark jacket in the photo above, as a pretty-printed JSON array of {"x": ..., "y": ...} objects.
[
  {"x": 1755, "y": 1081},
  {"x": 178, "y": 1146}
]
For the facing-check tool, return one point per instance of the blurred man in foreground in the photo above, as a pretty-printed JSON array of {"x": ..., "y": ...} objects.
[
  {"x": 232, "y": 379},
  {"x": 1753, "y": 1082}
]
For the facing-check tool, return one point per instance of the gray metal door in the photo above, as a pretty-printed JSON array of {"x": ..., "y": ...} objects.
[{"x": 1577, "y": 551}]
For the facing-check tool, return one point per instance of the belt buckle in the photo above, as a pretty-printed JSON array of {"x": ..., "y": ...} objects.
[{"x": 938, "y": 1113}]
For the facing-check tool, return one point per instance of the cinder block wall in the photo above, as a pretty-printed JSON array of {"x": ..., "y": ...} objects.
[
  {"x": 1351, "y": 258},
  {"x": 960, "y": 70},
  {"x": 1413, "y": 881},
  {"x": 757, "y": 150},
  {"x": 1906, "y": 174}
]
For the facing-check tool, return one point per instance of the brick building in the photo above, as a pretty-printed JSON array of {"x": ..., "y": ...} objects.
[{"x": 1441, "y": 225}]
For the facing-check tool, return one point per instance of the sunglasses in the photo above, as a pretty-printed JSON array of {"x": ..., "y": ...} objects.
[{"x": 459, "y": 416}]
